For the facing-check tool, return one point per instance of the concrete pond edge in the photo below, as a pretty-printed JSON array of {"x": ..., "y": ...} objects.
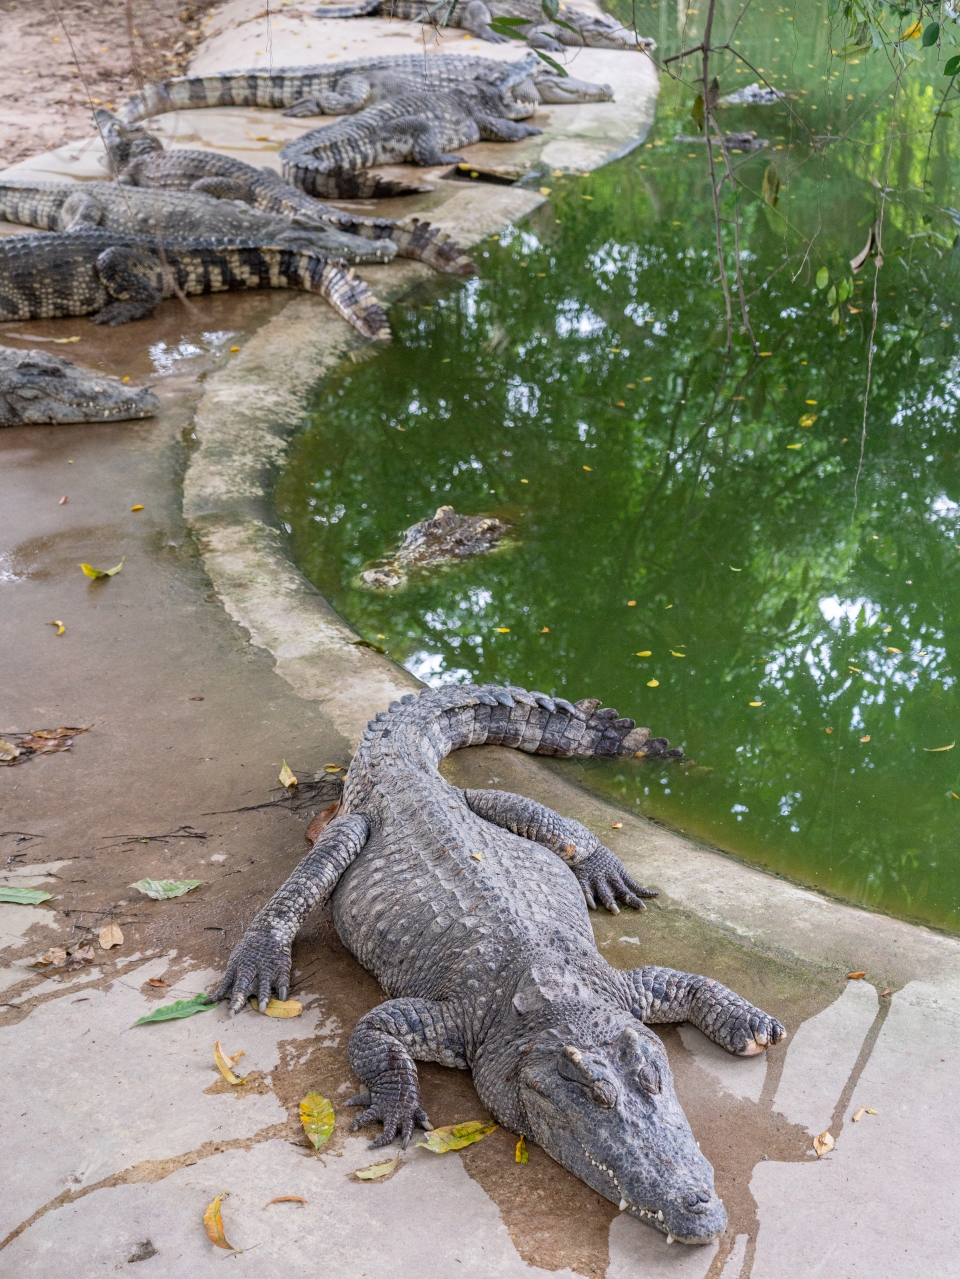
[{"x": 243, "y": 427}]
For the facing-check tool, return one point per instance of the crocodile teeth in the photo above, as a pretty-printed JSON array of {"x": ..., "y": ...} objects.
[
  {"x": 669, "y": 1238},
  {"x": 660, "y": 1215},
  {"x": 623, "y": 1204}
]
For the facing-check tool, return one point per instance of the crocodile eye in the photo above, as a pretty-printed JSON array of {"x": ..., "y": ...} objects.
[
  {"x": 648, "y": 1077},
  {"x": 604, "y": 1094}
]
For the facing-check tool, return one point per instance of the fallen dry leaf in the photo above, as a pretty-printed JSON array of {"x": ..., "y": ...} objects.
[
  {"x": 616, "y": 825},
  {"x": 287, "y": 777},
  {"x": 884, "y": 993},
  {"x": 19, "y": 747},
  {"x": 56, "y": 957},
  {"x": 279, "y": 1007},
  {"x": 860, "y": 1114},
  {"x": 317, "y": 1117},
  {"x": 823, "y": 1144},
  {"x": 138, "y": 507},
  {"x": 522, "y": 1154},
  {"x": 376, "y": 1172},
  {"x": 213, "y": 1224},
  {"x": 61, "y": 629},
  {"x": 109, "y": 936},
  {"x": 225, "y": 1064},
  {"x": 856, "y": 976},
  {"x": 157, "y": 981},
  {"x": 321, "y": 822},
  {"x": 78, "y": 956},
  {"x": 95, "y": 573},
  {"x": 286, "y": 1199},
  {"x": 456, "y": 1136}
]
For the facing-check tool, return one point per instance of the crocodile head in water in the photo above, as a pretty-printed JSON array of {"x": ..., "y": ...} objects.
[
  {"x": 608, "y": 1112},
  {"x": 38, "y": 387}
]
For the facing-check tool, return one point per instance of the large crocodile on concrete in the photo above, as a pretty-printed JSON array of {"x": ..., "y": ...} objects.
[
  {"x": 470, "y": 909},
  {"x": 116, "y": 277},
  {"x": 36, "y": 387},
  {"x": 138, "y": 159},
  {"x": 598, "y": 30},
  {"x": 413, "y": 127},
  {"x": 342, "y": 88},
  {"x": 444, "y": 538}
]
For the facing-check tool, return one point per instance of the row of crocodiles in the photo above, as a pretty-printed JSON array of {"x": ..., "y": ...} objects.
[{"x": 189, "y": 222}]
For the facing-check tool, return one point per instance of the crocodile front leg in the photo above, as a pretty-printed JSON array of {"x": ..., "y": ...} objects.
[
  {"x": 382, "y": 1050},
  {"x": 131, "y": 277},
  {"x": 475, "y": 17},
  {"x": 260, "y": 962},
  {"x": 666, "y": 995},
  {"x": 600, "y": 873}
]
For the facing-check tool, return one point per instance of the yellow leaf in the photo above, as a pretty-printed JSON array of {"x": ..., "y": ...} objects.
[
  {"x": 794, "y": 446},
  {"x": 138, "y": 507},
  {"x": 545, "y": 630},
  {"x": 653, "y": 683},
  {"x": 860, "y": 1114},
  {"x": 544, "y": 190},
  {"x": 631, "y": 603},
  {"x": 279, "y": 1008},
  {"x": 456, "y": 1136},
  {"x": 756, "y": 703},
  {"x": 673, "y": 654},
  {"x": 110, "y": 936},
  {"x": 477, "y": 857},
  {"x": 225, "y": 1064},
  {"x": 865, "y": 739},
  {"x": 913, "y": 32},
  {"x": 935, "y": 750},
  {"x": 61, "y": 629},
  {"x": 823, "y": 1144},
  {"x": 287, "y": 1199},
  {"x": 502, "y": 630},
  {"x": 810, "y": 401},
  {"x": 808, "y": 419},
  {"x": 588, "y": 468},
  {"x": 317, "y": 1117},
  {"x": 213, "y": 1224},
  {"x": 645, "y": 653},
  {"x": 954, "y": 794},
  {"x": 522, "y": 1155},
  {"x": 63, "y": 341},
  {"x": 376, "y": 1172},
  {"x": 893, "y": 650},
  {"x": 616, "y": 825},
  {"x": 234, "y": 349},
  {"x": 287, "y": 777},
  {"x": 870, "y": 1112},
  {"x": 90, "y": 571}
]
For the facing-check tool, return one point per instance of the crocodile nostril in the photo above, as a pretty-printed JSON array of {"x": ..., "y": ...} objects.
[{"x": 696, "y": 1200}]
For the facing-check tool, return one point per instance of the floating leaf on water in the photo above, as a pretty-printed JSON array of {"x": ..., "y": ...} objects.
[
  {"x": 522, "y": 1154},
  {"x": 808, "y": 419},
  {"x": 856, "y": 976},
  {"x": 213, "y": 1224},
  {"x": 376, "y": 1172},
  {"x": 646, "y": 652},
  {"x": 278, "y": 1007},
  {"x": 23, "y": 896},
  {"x": 286, "y": 1199},
  {"x": 653, "y": 683},
  {"x": 823, "y": 1144},
  {"x": 182, "y": 1008},
  {"x": 865, "y": 739},
  {"x": 794, "y": 446},
  {"x": 935, "y": 750},
  {"x": 894, "y": 650},
  {"x": 456, "y": 1136},
  {"x": 109, "y": 936},
  {"x": 162, "y": 889},
  {"x": 61, "y": 629},
  {"x": 225, "y": 1064},
  {"x": 756, "y": 703},
  {"x": 317, "y": 1117},
  {"x": 673, "y": 654},
  {"x": 770, "y": 188},
  {"x": 287, "y": 777},
  {"x": 90, "y": 571}
]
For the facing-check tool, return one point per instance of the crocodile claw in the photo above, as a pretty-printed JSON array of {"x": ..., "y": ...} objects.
[
  {"x": 603, "y": 878},
  {"x": 399, "y": 1115},
  {"x": 258, "y": 965}
]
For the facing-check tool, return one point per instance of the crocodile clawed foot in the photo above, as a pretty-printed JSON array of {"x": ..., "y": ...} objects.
[
  {"x": 399, "y": 1116},
  {"x": 755, "y": 1034},
  {"x": 603, "y": 878}
]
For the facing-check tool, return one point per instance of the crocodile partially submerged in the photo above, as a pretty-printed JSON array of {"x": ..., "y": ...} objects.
[
  {"x": 342, "y": 88},
  {"x": 413, "y": 127},
  {"x": 444, "y": 538},
  {"x": 37, "y": 387},
  {"x": 470, "y": 909},
  {"x": 117, "y": 277},
  {"x": 598, "y": 30},
  {"x": 139, "y": 160}
]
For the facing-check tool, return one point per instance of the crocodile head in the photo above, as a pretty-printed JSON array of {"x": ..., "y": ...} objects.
[
  {"x": 37, "y": 387},
  {"x": 608, "y": 1112},
  {"x": 601, "y": 31}
]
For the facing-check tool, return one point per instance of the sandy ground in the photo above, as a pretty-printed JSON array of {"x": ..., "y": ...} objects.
[{"x": 63, "y": 57}]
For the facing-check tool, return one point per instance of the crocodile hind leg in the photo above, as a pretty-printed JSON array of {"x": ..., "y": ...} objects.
[
  {"x": 132, "y": 278},
  {"x": 666, "y": 995},
  {"x": 382, "y": 1050},
  {"x": 494, "y": 129},
  {"x": 600, "y": 873},
  {"x": 260, "y": 962}
]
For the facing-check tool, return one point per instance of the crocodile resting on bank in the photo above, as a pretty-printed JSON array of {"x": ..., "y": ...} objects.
[
  {"x": 139, "y": 160},
  {"x": 36, "y": 387},
  {"x": 443, "y": 539},
  {"x": 117, "y": 277},
  {"x": 598, "y": 30},
  {"x": 413, "y": 127},
  {"x": 470, "y": 909},
  {"x": 342, "y": 88}
]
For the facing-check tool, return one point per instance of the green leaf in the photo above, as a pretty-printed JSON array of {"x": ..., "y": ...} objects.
[
  {"x": 24, "y": 896},
  {"x": 823, "y": 278},
  {"x": 931, "y": 35},
  {"x": 90, "y": 571},
  {"x": 456, "y": 1136},
  {"x": 771, "y": 187},
  {"x": 835, "y": 315},
  {"x": 953, "y": 66},
  {"x": 161, "y": 889},
  {"x": 844, "y": 291},
  {"x": 496, "y": 23},
  {"x": 697, "y": 113},
  {"x": 551, "y": 8},
  {"x": 832, "y": 295},
  {"x": 317, "y": 1117},
  {"x": 550, "y": 62},
  {"x": 182, "y": 1008}
]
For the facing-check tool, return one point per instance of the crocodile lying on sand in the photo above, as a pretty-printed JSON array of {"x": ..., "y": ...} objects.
[
  {"x": 139, "y": 160},
  {"x": 470, "y": 909},
  {"x": 117, "y": 277},
  {"x": 419, "y": 128},
  {"x": 68, "y": 206},
  {"x": 38, "y": 387},
  {"x": 598, "y": 30},
  {"x": 443, "y": 539},
  {"x": 342, "y": 88}
]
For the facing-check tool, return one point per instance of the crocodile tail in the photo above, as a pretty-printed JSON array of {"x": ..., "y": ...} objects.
[
  {"x": 351, "y": 297},
  {"x": 417, "y": 239},
  {"x": 361, "y": 184}
]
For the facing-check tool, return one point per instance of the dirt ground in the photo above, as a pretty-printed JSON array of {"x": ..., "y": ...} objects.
[{"x": 64, "y": 57}]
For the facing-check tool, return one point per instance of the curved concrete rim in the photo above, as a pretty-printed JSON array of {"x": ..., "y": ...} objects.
[{"x": 243, "y": 427}]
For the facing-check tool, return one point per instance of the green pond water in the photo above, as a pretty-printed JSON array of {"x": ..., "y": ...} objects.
[{"x": 690, "y": 541}]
